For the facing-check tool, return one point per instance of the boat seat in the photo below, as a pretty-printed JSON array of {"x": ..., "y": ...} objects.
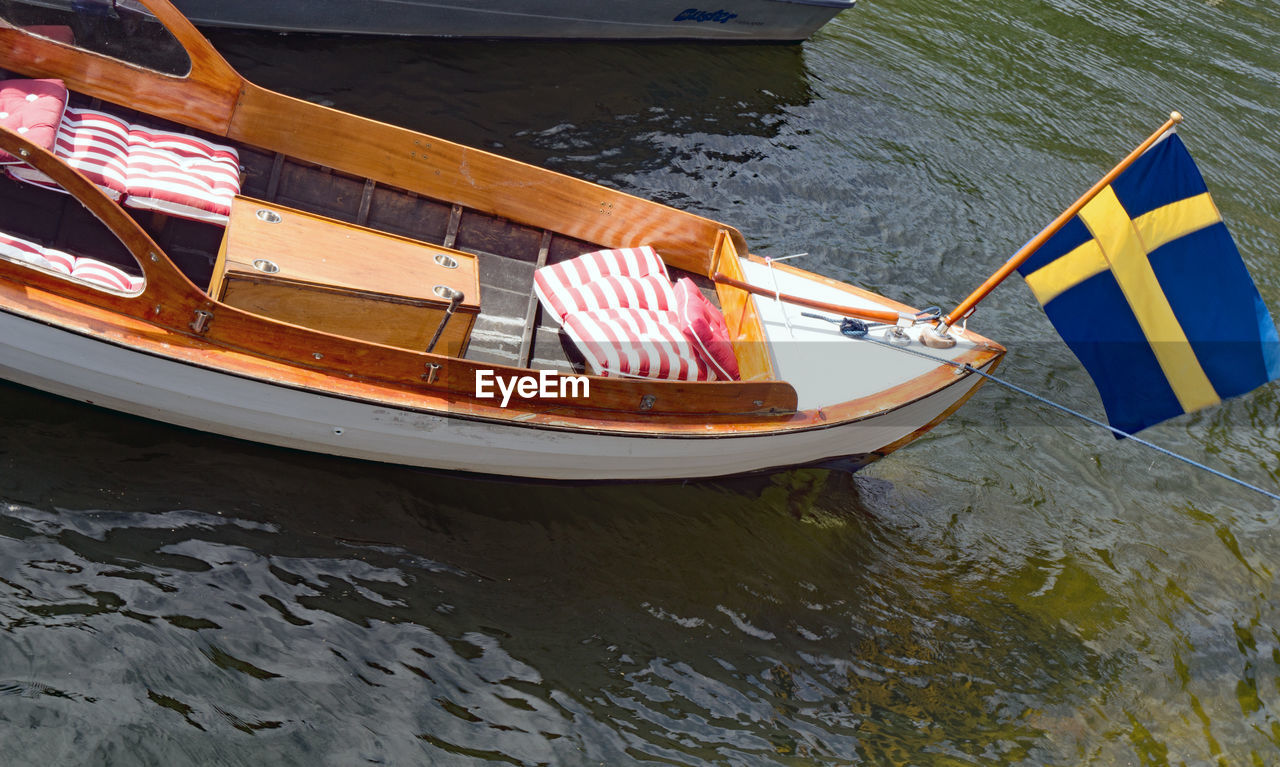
[
  {"x": 642, "y": 343},
  {"x": 181, "y": 175},
  {"x": 703, "y": 324},
  {"x": 568, "y": 285},
  {"x": 612, "y": 292},
  {"x": 176, "y": 173},
  {"x": 622, "y": 312},
  {"x": 94, "y": 143},
  {"x": 89, "y": 271},
  {"x": 33, "y": 109}
]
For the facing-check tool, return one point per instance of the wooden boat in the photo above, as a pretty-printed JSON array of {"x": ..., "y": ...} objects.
[
  {"x": 741, "y": 21},
  {"x": 302, "y": 314}
]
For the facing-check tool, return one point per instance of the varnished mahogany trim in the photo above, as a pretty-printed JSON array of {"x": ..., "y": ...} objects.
[
  {"x": 158, "y": 322},
  {"x": 137, "y": 335},
  {"x": 746, "y": 330},
  {"x": 214, "y": 98},
  {"x": 203, "y": 99},
  {"x": 472, "y": 178}
]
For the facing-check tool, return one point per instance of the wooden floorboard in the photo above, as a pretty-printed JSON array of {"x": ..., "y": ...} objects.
[{"x": 505, "y": 274}]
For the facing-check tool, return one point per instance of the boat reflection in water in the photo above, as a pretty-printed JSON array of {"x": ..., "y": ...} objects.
[{"x": 540, "y": 104}]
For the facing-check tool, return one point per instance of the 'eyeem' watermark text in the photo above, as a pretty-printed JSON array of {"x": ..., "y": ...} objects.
[{"x": 547, "y": 384}]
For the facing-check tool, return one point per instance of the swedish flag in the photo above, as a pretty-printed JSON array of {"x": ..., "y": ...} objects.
[{"x": 1147, "y": 288}]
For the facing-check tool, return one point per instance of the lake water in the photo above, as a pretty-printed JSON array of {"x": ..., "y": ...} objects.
[{"x": 1016, "y": 588}]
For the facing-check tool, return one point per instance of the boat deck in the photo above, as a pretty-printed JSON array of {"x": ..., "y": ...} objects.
[{"x": 510, "y": 328}]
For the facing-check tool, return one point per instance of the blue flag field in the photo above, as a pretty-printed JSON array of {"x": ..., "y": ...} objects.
[{"x": 1146, "y": 286}]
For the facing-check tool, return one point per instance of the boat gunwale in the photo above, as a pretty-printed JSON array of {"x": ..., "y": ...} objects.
[
  {"x": 33, "y": 300},
  {"x": 558, "y": 417}
]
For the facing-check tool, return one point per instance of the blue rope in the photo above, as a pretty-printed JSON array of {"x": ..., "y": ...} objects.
[
  {"x": 853, "y": 328},
  {"x": 1118, "y": 432}
]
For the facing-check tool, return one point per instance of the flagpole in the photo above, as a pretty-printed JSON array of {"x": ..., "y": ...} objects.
[{"x": 1034, "y": 244}]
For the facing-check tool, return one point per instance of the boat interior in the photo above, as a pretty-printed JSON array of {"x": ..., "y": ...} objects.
[
  {"x": 510, "y": 327},
  {"x": 507, "y": 325}
]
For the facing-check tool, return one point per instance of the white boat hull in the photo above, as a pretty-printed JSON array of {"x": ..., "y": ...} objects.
[
  {"x": 92, "y": 370},
  {"x": 742, "y": 20}
]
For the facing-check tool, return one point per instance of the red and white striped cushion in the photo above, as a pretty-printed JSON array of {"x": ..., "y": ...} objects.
[
  {"x": 612, "y": 292},
  {"x": 32, "y": 109},
  {"x": 157, "y": 170},
  {"x": 93, "y": 271},
  {"x": 105, "y": 274},
  {"x": 18, "y": 249},
  {"x": 636, "y": 342},
  {"x": 181, "y": 175},
  {"x": 559, "y": 286},
  {"x": 94, "y": 143},
  {"x": 63, "y": 263},
  {"x": 88, "y": 270}
]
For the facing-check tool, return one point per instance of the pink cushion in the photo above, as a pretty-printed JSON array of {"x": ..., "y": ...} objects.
[
  {"x": 18, "y": 249},
  {"x": 94, "y": 143},
  {"x": 636, "y": 342},
  {"x": 31, "y": 108},
  {"x": 182, "y": 175},
  {"x": 705, "y": 328},
  {"x": 636, "y": 262},
  {"x": 557, "y": 285}
]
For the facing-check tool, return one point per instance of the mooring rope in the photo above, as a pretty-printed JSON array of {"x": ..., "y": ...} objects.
[{"x": 857, "y": 330}]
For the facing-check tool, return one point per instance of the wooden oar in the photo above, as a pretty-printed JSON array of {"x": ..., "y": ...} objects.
[{"x": 876, "y": 315}]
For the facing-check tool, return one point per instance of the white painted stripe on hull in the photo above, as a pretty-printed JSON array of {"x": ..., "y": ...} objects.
[{"x": 85, "y": 369}]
